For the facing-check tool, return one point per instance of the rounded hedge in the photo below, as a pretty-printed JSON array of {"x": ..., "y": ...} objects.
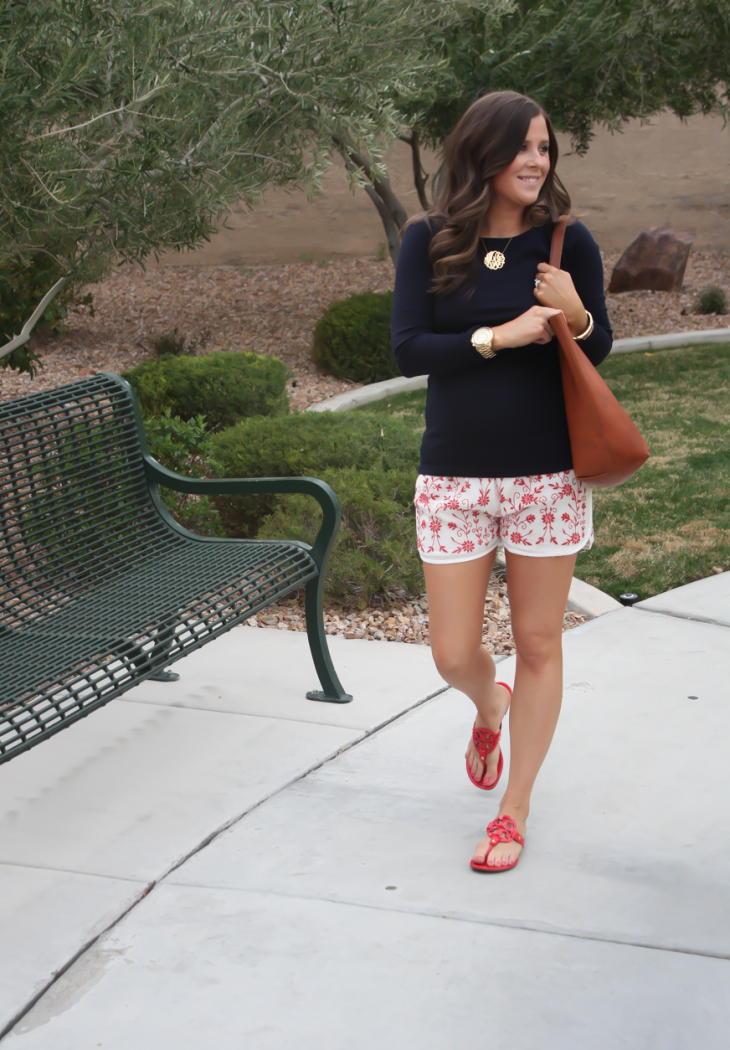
[
  {"x": 223, "y": 387},
  {"x": 370, "y": 462},
  {"x": 352, "y": 338}
]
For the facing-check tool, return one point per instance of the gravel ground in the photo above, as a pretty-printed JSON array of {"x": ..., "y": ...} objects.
[
  {"x": 269, "y": 309},
  {"x": 273, "y": 309},
  {"x": 658, "y": 313},
  {"x": 407, "y": 622}
]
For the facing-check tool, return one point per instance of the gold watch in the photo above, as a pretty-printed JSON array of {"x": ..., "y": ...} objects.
[{"x": 481, "y": 340}]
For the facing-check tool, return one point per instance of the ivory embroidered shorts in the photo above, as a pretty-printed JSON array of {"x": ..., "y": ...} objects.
[{"x": 460, "y": 519}]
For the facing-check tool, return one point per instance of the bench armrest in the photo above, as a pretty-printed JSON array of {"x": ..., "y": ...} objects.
[{"x": 319, "y": 490}]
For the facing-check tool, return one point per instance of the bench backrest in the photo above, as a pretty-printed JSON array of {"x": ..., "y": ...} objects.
[{"x": 75, "y": 502}]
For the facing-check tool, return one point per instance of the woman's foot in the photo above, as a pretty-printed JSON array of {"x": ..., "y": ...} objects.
[
  {"x": 490, "y": 718},
  {"x": 504, "y": 854}
]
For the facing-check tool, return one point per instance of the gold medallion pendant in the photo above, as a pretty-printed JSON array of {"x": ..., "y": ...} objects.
[{"x": 494, "y": 260}]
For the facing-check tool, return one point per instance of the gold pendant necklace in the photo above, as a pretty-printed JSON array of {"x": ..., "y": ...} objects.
[{"x": 496, "y": 260}]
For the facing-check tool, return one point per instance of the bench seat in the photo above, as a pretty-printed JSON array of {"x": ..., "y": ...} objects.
[{"x": 100, "y": 587}]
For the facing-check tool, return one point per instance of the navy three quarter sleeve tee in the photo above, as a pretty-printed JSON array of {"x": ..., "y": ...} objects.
[{"x": 503, "y": 417}]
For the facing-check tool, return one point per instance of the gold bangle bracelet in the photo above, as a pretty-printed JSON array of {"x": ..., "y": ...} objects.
[{"x": 589, "y": 329}]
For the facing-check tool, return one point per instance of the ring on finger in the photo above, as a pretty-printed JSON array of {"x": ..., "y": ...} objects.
[{"x": 537, "y": 282}]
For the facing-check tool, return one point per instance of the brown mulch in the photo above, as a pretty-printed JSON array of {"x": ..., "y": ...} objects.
[
  {"x": 273, "y": 309},
  {"x": 268, "y": 309}
]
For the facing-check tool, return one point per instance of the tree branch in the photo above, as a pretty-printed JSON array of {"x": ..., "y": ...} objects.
[
  {"x": 133, "y": 107},
  {"x": 132, "y": 110},
  {"x": 420, "y": 178},
  {"x": 30, "y": 324},
  {"x": 392, "y": 229},
  {"x": 380, "y": 183}
]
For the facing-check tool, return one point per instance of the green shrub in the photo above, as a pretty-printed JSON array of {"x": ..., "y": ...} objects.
[
  {"x": 352, "y": 338},
  {"x": 375, "y": 553},
  {"x": 187, "y": 449},
  {"x": 305, "y": 444},
  {"x": 370, "y": 462},
  {"x": 712, "y": 300},
  {"x": 224, "y": 387}
]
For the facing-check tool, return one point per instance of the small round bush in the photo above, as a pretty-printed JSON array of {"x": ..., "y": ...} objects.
[
  {"x": 370, "y": 462},
  {"x": 712, "y": 300},
  {"x": 223, "y": 387},
  {"x": 173, "y": 342},
  {"x": 352, "y": 338}
]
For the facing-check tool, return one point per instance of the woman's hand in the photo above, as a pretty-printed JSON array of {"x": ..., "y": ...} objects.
[
  {"x": 556, "y": 289},
  {"x": 530, "y": 327}
]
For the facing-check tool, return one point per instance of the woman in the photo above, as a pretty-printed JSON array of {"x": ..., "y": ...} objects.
[{"x": 496, "y": 465}]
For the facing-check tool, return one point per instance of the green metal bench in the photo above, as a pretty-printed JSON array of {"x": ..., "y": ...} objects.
[{"x": 99, "y": 587}]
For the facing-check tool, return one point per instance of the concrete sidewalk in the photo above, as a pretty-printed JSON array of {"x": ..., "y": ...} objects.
[{"x": 339, "y": 911}]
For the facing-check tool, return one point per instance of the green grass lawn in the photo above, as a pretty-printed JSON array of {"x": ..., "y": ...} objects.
[{"x": 670, "y": 524}]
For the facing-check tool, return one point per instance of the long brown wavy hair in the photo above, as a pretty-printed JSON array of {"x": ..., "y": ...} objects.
[{"x": 484, "y": 142}]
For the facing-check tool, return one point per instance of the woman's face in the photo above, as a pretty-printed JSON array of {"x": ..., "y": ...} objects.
[{"x": 521, "y": 181}]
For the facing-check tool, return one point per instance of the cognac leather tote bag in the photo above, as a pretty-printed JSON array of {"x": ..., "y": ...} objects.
[{"x": 606, "y": 446}]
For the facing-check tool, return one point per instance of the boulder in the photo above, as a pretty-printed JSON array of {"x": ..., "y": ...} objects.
[{"x": 656, "y": 260}]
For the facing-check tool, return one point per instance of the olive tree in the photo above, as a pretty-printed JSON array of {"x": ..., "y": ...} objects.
[
  {"x": 133, "y": 126},
  {"x": 588, "y": 62}
]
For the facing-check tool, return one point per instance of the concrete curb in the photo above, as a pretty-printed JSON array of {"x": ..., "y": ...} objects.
[
  {"x": 377, "y": 391},
  {"x": 372, "y": 392},
  {"x": 666, "y": 342},
  {"x": 589, "y": 601}
]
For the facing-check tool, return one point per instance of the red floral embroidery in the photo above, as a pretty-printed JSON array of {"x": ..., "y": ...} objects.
[{"x": 471, "y": 516}]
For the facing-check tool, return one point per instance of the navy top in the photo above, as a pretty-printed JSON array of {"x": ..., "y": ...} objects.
[{"x": 504, "y": 417}]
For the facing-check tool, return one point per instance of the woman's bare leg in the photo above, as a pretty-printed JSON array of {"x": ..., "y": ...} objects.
[
  {"x": 456, "y": 596},
  {"x": 538, "y": 593}
]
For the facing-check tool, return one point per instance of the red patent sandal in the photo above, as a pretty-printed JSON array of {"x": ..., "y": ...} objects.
[
  {"x": 502, "y": 829},
  {"x": 485, "y": 742}
]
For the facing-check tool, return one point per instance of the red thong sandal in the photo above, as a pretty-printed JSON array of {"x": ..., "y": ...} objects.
[
  {"x": 502, "y": 829},
  {"x": 485, "y": 742}
]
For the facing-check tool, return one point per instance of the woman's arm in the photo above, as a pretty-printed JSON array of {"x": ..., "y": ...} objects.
[
  {"x": 418, "y": 350},
  {"x": 577, "y": 287}
]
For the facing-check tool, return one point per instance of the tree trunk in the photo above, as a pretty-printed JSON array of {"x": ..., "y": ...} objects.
[
  {"x": 378, "y": 188},
  {"x": 420, "y": 178},
  {"x": 392, "y": 213}
]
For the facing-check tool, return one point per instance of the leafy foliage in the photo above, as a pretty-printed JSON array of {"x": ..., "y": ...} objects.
[
  {"x": 371, "y": 463},
  {"x": 132, "y": 126},
  {"x": 352, "y": 338},
  {"x": 375, "y": 556},
  {"x": 712, "y": 300},
  {"x": 224, "y": 387},
  {"x": 186, "y": 448},
  {"x": 587, "y": 62}
]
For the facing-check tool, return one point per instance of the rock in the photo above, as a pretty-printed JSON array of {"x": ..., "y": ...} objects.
[{"x": 656, "y": 260}]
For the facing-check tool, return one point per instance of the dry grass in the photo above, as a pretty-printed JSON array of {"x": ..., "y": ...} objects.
[{"x": 670, "y": 524}]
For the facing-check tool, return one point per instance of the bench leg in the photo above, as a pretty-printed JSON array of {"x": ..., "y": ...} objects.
[{"x": 331, "y": 690}]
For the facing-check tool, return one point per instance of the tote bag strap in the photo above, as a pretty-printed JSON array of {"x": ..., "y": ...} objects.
[{"x": 556, "y": 248}]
